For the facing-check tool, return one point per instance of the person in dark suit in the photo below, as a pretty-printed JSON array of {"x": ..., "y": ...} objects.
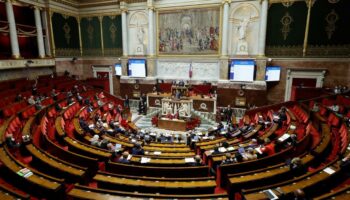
[
  {"x": 137, "y": 150},
  {"x": 126, "y": 102},
  {"x": 228, "y": 114},
  {"x": 124, "y": 158},
  {"x": 197, "y": 161}
]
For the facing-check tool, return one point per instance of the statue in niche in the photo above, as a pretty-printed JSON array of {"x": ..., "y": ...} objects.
[
  {"x": 242, "y": 28},
  {"x": 183, "y": 110},
  {"x": 140, "y": 33}
]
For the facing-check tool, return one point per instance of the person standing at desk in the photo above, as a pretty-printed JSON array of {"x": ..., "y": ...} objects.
[{"x": 228, "y": 114}]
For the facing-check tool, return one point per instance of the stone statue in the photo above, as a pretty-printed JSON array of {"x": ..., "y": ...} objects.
[
  {"x": 140, "y": 33},
  {"x": 183, "y": 110},
  {"x": 169, "y": 109},
  {"x": 242, "y": 28}
]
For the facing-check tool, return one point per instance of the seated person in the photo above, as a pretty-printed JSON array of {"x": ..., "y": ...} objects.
[
  {"x": 268, "y": 148},
  {"x": 95, "y": 141},
  {"x": 228, "y": 159},
  {"x": 18, "y": 98},
  {"x": 58, "y": 107},
  {"x": 137, "y": 150},
  {"x": 11, "y": 142},
  {"x": 31, "y": 100},
  {"x": 84, "y": 125},
  {"x": 198, "y": 161},
  {"x": 124, "y": 158},
  {"x": 250, "y": 154},
  {"x": 315, "y": 107},
  {"x": 297, "y": 167},
  {"x": 38, "y": 105},
  {"x": 334, "y": 108}
]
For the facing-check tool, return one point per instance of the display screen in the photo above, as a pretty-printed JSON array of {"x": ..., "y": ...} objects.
[
  {"x": 242, "y": 70},
  {"x": 137, "y": 68},
  {"x": 273, "y": 73},
  {"x": 118, "y": 69}
]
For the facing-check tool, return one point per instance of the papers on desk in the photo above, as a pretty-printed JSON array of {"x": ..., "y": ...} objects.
[
  {"x": 223, "y": 132},
  {"x": 91, "y": 126},
  {"x": 230, "y": 148},
  {"x": 205, "y": 137},
  {"x": 129, "y": 157},
  {"x": 222, "y": 149},
  {"x": 271, "y": 195},
  {"x": 189, "y": 160},
  {"x": 292, "y": 127},
  {"x": 329, "y": 170},
  {"x": 284, "y": 137},
  {"x": 25, "y": 172},
  {"x": 153, "y": 134},
  {"x": 157, "y": 153},
  {"x": 258, "y": 150},
  {"x": 145, "y": 160},
  {"x": 117, "y": 146},
  {"x": 110, "y": 130}
]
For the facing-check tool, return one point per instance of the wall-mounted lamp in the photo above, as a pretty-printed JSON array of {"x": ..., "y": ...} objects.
[
  {"x": 74, "y": 59},
  {"x": 28, "y": 63}
]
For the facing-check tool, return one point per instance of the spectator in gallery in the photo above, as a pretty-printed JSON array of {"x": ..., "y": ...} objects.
[{"x": 124, "y": 158}]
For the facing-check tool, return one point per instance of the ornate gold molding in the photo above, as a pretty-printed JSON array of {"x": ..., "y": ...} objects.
[
  {"x": 331, "y": 20},
  {"x": 284, "y": 51}
]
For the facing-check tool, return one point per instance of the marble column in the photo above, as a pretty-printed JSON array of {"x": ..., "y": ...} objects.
[
  {"x": 124, "y": 33},
  {"x": 262, "y": 28},
  {"x": 224, "y": 37},
  {"x": 13, "y": 30},
  {"x": 39, "y": 32},
  {"x": 47, "y": 37},
  {"x": 150, "y": 28}
]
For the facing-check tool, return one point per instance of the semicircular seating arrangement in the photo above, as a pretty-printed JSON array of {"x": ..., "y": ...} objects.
[{"x": 46, "y": 152}]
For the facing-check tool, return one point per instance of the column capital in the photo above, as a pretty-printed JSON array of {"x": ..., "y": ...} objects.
[
  {"x": 123, "y": 6},
  {"x": 11, "y": 1},
  {"x": 226, "y": 1},
  {"x": 100, "y": 18}
]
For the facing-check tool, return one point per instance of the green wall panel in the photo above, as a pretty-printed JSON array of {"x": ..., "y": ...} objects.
[
  {"x": 112, "y": 35},
  {"x": 66, "y": 34},
  {"x": 91, "y": 36},
  {"x": 330, "y": 23},
  {"x": 284, "y": 35}
]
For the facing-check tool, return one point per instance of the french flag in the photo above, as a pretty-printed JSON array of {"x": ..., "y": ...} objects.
[{"x": 190, "y": 72}]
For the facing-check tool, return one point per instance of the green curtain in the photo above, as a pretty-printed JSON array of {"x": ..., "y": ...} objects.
[
  {"x": 329, "y": 23},
  {"x": 112, "y": 35},
  {"x": 66, "y": 35},
  {"x": 91, "y": 36}
]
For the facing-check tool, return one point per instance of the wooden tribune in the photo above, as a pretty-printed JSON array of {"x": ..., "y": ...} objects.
[{"x": 174, "y": 125}]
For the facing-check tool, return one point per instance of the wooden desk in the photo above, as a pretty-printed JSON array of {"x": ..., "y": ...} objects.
[
  {"x": 84, "y": 192},
  {"x": 57, "y": 168},
  {"x": 164, "y": 171},
  {"x": 38, "y": 184},
  {"x": 175, "y": 125},
  {"x": 160, "y": 186}
]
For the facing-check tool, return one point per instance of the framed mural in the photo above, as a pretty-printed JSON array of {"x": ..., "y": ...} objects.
[{"x": 189, "y": 31}]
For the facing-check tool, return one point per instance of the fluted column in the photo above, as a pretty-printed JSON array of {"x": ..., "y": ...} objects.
[
  {"x": 224, "y": 28},
  {"x": 39, "y": 32},
  {"x": 13, "y": 30},
  {"x": 123, "y": 7},
  {"x": 150, "y": 28},
  {"x": 47, "y": 31},
  {"x": 262, "y": 28}
]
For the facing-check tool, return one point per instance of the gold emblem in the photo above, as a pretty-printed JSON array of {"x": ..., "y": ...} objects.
[
  {"x": 286, "y": 20},
  {"x": 287, "y": 3},
  {"x": 113, "y": 30},
  {"x": 331, "y": 19},
  {"x": 66, "y": 29}
]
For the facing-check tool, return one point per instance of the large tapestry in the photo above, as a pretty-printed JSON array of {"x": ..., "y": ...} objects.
[{"x": 190, "y": 31}]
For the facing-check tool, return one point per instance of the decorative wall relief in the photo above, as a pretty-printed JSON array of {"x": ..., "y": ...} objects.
[
  {"x": 331, "y": 19},
  {"x": 244, "y": 29},
  {"x": 91, "y": 36},
  {"x": 286, "y": 20},
  {"x": 138, "y": 33},
  {"x": 189, "y": 31},
  {"x": 203, "y": 71}
]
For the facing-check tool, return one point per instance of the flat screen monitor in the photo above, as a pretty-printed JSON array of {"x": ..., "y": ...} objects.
[
  {"x": 137, "y": 68},
  {"x": 273, "y": 73},
  {"x": 118, "y": 69},
  {"x": 242, "y": 70}
]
